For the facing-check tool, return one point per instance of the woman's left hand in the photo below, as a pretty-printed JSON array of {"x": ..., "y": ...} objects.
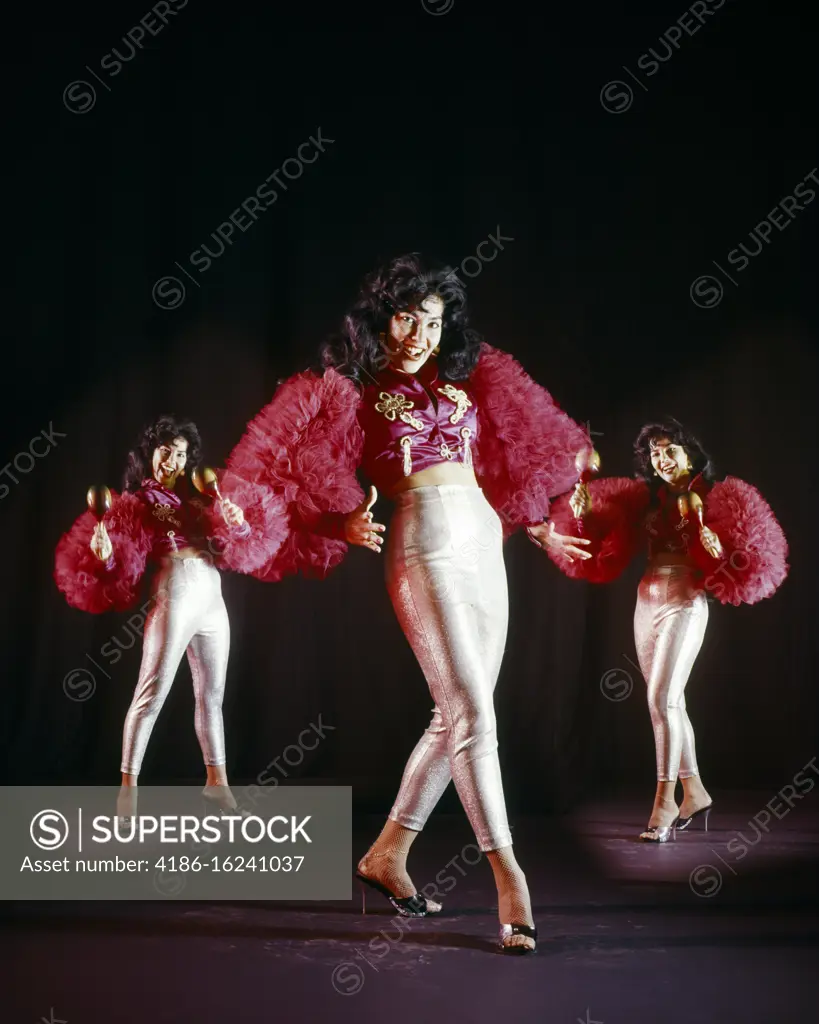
[
  {"x": 545, "y": 537},
  {"x": 711, "y": 542},
  {"x": 234, "y": 516}
]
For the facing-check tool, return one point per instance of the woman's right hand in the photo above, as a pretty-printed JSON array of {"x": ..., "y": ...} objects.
[
  {"x": 101, "y": 543},
  {"x": 580, "y": 502},
  {"x": 359, "y": 527}
]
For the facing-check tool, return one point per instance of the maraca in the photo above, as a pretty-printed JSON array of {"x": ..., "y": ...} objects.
[
  {"x": 99, "y": 501},
  {"x": 206, "y": 482},
  {"x": 587, "y": 464},
  {"x": 710, "y": 541}
]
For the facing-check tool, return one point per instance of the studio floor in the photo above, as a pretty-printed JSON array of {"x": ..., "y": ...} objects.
[{"x": 717, "y": 926}]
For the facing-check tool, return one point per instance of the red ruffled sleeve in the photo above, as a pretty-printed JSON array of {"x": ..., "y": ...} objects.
[
  {"x": 614, "y": 526},
  {"x": 755, "y": 550},
  {"x": 303, "y": 450},
  {"x": 253, "y": 545},
  {"x": 95, "y": 586},
  {"x": 526, "y": 446}
]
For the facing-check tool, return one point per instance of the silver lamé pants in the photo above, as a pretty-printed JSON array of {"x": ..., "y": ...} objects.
[
  {"x": 187, "y": 615},
  {"x": 447, "y": 581},
  {"x": 669, "y": 626}
]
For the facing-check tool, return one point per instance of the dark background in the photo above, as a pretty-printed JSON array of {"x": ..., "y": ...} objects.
[{"x": 446, "y": 129}]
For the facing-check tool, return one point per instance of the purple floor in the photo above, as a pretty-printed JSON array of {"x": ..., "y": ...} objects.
[{"x": 695, "y": 930}]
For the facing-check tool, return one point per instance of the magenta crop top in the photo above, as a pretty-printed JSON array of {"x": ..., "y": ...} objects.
[
  {"x": 668, "y": 531},
  {"x": 414, "y": 421}
]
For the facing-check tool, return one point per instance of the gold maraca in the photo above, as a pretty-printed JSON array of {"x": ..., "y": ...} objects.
[
  {"x": 206, "y": 481},
  {"x": 99, "y": 501},
  {"x": 587, "y": 464},
  {"x": 710, "y": 541}
]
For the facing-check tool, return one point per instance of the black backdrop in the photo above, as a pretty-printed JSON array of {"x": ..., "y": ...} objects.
[{"x": 446, "y": 128}]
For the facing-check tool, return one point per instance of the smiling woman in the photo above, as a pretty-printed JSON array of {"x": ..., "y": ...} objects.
[
  {"x": 702, "y": 536},
  {"x": 161, "y": 521},
  {"x": 467, "y": 446}
]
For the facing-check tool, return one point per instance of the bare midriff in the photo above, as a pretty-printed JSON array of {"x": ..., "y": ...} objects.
[
  {"x": 670, "y": 558},
  {"x": 188, "y": 552},
  {"x": 434, "y": 476}
]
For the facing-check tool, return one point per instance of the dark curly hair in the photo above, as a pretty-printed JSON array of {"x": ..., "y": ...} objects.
[
  {"x": 164, "y": 430},
  {"x": 677, "y": 434},
  {"x": 356, "y": 351}
]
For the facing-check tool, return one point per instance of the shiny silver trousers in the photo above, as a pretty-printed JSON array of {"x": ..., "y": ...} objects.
[
  {"x": 187, "y": 614},
  {"x": 447, "y": 581},
  {"x": 669, "y": 626}
]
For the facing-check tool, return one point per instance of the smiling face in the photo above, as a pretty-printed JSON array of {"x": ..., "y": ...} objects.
[
  {"x": 169, "y": 461},
  {"x": 414, "y": 333},
  {"x": 670, "y": 461}
]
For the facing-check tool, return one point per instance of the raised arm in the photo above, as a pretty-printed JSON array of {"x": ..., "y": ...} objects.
[
  {"x": 526, "y": 446},
  {"x": 752, "y": 563},
  {"x": 96, "y": 576},
  {"x": 247, "y": 527}
]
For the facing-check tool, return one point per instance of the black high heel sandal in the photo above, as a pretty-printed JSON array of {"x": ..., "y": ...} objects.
[
  {"x": 406, "y": 906},
  {"x": 507, "y": 930},
  {"x": 683, "y": 823}
]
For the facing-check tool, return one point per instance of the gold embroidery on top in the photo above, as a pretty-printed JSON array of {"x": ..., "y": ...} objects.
[
  {"x": 459, "y": 398},
  {"x": 406, "y": 444},
  {"x": 397, "y": 405},
  {"x": 164, "y": 513},
  {"x": 466, "y": 433}
]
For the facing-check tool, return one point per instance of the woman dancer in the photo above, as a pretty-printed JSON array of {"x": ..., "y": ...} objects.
[
  {"x": 159, "y": 521},
  {"x": 468, "y": 448},
  {"x": 703, "y": 537}
]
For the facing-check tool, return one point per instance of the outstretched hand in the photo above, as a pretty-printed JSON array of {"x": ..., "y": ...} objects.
[
  {"x": 544, "y": 536},
  {"x": 359, "y": 527}
]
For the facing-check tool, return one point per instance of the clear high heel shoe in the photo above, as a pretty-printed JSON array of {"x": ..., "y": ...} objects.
[
  {"x": 683, "y": 823},
  {"x": 660, "y": 833}
]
